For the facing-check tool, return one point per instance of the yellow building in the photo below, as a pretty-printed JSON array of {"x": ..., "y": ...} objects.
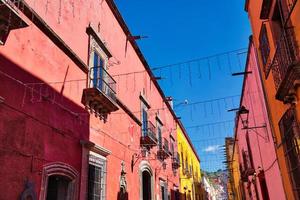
[
  {"x": 229, "y": 144},
  {"x": 190, "y": 173},
  {"x": 237, "y": 184}
]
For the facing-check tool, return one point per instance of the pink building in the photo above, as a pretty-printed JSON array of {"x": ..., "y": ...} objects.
[
  {"x": 260, "y": 173},
  {"x": 76, "y": 122}
]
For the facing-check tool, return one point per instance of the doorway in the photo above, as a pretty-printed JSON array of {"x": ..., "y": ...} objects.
[
  {"x": 146, "y": 181},
  {"x": 57, "y": 188}
]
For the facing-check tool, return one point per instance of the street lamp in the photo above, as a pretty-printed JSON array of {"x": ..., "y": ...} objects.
[{"x": 244, "y": 115}]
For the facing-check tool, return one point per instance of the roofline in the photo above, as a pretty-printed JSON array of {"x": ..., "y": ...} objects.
[
  {"x": 243, "y": 89},
  {"x": 125, "y": 28},
  {"x": 127, "y": 32},
  {"x": 188, "y": 139}
]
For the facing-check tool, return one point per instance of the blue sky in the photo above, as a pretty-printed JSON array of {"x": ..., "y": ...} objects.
[{"x": 180, "y": 30}]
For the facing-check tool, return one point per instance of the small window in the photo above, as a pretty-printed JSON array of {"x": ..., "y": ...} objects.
[
  {"x": 144, "y": 115},
  {"x": 182, "y": 162},
  {"x": 264, "y": 46},
  {"x": 172, "y": 147},
  {"x": 144, "y": 121},
  {"x": 159, "y": 133},
  {"x": 96, "y": 178},
  {"x": 96, "y": 71}
]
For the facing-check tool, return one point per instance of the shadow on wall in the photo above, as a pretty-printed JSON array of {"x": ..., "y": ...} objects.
[{"x": 38, "y": 125}]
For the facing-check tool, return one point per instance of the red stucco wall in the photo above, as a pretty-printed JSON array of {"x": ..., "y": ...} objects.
[
  {"x": 60, "y": 122},
  {"x": 260, "y": 139}
]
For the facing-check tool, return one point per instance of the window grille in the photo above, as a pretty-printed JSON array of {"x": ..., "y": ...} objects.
[
  {"x": 289, "y": 128},
  {"x": 96, "y": 178},
  {"x": 264, "y": 45}
]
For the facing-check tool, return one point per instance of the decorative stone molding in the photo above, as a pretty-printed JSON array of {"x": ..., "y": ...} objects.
[
  {"x": 29, "y": 192},
  {"x": 95, "y": 148},
  {"x": 145, "y": 167},
  {"x": 60, "y": 169}
]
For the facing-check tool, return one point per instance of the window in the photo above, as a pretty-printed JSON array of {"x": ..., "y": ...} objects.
[
  {"x": 144, "y": 108},
  {"x": 172, "y": 141},
  {"x": 182, "y": 162},
  {"x": 97, "y": 71},
  {"x": 159, "y": 132},
  {"x": 264, "y": 46},
  {"x": 96, "y": 177},
  {"x": 144, "y": 121},
  {"x": 98, "y": 59},
  {"x": 289, "y": 128}
]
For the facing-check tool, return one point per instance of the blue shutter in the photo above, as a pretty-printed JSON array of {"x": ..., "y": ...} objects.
[
  {"x": 95, "y": 70},
  {"x": 145, "y": 125}
]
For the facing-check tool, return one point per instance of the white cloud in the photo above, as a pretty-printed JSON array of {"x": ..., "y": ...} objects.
[{"x": 212, "y": 149}]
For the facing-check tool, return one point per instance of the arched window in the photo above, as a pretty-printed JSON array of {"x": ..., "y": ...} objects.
[{"x": 59, "y": 182}]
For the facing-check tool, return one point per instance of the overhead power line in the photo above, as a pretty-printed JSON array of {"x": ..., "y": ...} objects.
[
  {"x": 238, "y": 51},
  {"x": 210, "y": 124}
]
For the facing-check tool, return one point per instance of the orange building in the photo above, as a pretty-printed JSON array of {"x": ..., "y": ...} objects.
[{"x": 276, "y": 33}]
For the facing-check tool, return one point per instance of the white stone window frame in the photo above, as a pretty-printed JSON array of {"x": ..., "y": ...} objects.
[
  {"x": 144, "y": 106},
  {"x": 99, "y": 161},
  {"x": 95, "y": 48}
]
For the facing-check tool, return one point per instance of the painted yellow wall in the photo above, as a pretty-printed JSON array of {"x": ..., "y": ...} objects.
[
  {"x": 237, "y": 188},
  {"x": 185, "y": 151}
]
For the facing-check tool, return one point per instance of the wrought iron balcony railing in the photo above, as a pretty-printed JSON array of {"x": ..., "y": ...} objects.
[
  {"x": 166, "y": 145},
  {"x": 100, "y": 96},
  {"x": 100, "y": 79},
  {"x": 163, "y": 150},
  {"x": 248, "y": 169},
  {"x": 175, "y": 161},
  {"x": 148, "y": 138},
  {"x": 285, "y": 64}
]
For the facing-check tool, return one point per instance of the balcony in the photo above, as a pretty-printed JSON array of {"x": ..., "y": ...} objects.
[
  {"x": 9, "y": 19},
  {"x": 148, "y": 139},
  {"x": 100, "y": 96},
  {"x": 163, "y": 150},
  {"x": 285, "y": 65},
  {"x": 247, "y": 169},
  {"x": 175, "y": 161}
]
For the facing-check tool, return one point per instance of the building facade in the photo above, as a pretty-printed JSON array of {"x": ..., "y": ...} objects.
[
  {"x": 259, "y": 169},
  {"x": 229, "y": 145},
  {"x": 237, "y": 184},
  {"x": 77, "y": 121},
  {"x": 275, "y": 27},
  {"x": 190, "y": 174}
]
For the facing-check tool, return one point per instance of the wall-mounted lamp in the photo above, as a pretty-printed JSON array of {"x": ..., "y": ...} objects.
[
  {"x": 135, "y": 157},
  {"x": 244, "y": 115}
]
